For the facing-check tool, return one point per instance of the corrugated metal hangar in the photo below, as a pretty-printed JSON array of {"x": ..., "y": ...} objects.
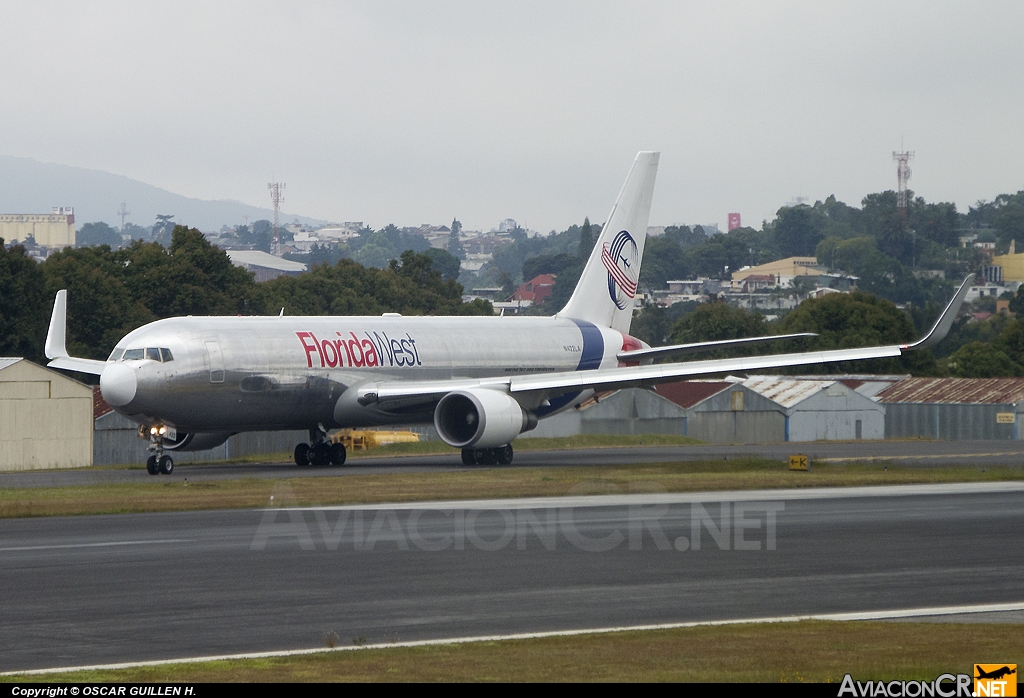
[
  {"x": 45, "y": 418},
  {"x": 953, "y": 408},
  {"x": 48, "y": 420},
  {"x": 759, "y": 409}
]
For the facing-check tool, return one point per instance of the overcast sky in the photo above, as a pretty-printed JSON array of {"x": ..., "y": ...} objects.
[{"x": 415, "y": 112}]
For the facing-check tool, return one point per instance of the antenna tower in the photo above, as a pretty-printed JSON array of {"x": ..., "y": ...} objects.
[
  {"x": 902, "y": 176},
  {"x": 277, "y": 196},
  {"x": 123, "y": 212}
]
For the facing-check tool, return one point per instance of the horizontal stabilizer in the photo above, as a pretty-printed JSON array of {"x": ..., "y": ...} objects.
[
  {"x": 677, "y": 349},
  {"x": 69, "y": 363}
]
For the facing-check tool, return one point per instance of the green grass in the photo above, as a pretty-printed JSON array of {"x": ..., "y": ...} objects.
[
  {"x": 428, "y": 448},
  {"x": 158, "y": 494},
  {"x": 766, "y": 652}
]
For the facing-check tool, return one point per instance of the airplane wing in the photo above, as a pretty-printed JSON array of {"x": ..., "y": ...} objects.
[
  {"x": 676, "y": 349},
  {"x": 634, "y": 376}
]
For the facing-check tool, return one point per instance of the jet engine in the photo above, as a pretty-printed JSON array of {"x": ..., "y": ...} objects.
[{"x": 479, "y": 418}]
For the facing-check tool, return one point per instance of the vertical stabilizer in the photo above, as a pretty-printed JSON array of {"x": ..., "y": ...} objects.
[{"x": 604, "y": 294}]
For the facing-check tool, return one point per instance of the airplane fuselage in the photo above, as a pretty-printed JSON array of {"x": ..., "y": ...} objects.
[{"x": 261, "y": 373}]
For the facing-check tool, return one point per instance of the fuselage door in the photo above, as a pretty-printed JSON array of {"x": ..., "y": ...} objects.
[{"x": 216, "y": 362}]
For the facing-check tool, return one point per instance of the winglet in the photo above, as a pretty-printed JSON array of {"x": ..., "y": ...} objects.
[
  {"x": 946, "y": 319},
  {"x": 55, "y": 345}
]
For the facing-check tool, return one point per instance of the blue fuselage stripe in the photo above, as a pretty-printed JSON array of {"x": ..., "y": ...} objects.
[
  {"x": 590, "y": 358},
  {"x": 593, "y": 346}
]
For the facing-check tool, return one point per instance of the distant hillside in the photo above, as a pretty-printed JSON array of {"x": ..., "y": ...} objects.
[{"x": 28, "y": 186}]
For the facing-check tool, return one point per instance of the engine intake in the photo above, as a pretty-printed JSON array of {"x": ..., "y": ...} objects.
[{"x": 479, "y": 418}]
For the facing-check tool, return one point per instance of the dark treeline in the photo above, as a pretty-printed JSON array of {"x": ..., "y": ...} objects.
[
  {"x": 883, "y": 249},
  {"x": 113, "y": 291},
  {"x": 988, "y": 348}
]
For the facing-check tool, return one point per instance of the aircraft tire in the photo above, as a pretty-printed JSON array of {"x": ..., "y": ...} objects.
[
  {"x": 468, "y": 456},
  {"x": 485, "y": 456},
  {"x": 302, "y": 454},
  {"x": 320, "y": 454},
  {"x": 151, "y": 466},
  {"x": 338, "y": 454},
  {"x": 166, "y": 465},
  {"x": 504, "y": 454}
]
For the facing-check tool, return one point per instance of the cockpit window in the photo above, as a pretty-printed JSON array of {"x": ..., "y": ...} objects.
[
  {"x": 151, "y": 353},
  {"x": 115, "y": 355}
]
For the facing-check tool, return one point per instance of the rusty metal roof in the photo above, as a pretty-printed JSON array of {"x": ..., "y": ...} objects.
[
  {"x": 784, "y": 390},
  {"x": 688, "y": 393},
  {"x": 99, "y": 405},
  {"x": 956, "y": 391}
]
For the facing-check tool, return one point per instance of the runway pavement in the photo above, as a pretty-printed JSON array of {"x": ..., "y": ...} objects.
[
  {"x": 100, "y": 589},
  {"x": 918, "y": 453}
]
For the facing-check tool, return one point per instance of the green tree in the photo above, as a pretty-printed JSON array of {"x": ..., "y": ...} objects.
[
  {"x": 97, "y": 234},
  {"x": 409, "y": 286},
  {"x": 798, "y": 230},
  {"x": 651, "y": 325},
  {"x": 716, "y": 321},
  {"x": 163, "y": 229},
  {"x": 190, "y": 278},
  {"x": 23, "y": 304},
  {"x": 586, "y": 240},
  {"x": 455, "y": 240},
  {"x": 444, "y": 262},
  {"x": 548, "y": 264},
  {"x": 849, "y": 320},
  {"x": 101, "y": 308},
  {"x": 981, "y": 360}
]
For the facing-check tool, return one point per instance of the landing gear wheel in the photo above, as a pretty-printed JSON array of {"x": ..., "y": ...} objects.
[
  {"x": 338, "y": 454},
  {"x": 485, "y": 456},
  {"x": 151, "y": 466},
  {"x": 504, "y": 454},
  {"x": 320, "y": 454},
  {"x": 166, "y": 465},
  {"x": 468, "y": 456},
  {"x": 302, "y": 454}
]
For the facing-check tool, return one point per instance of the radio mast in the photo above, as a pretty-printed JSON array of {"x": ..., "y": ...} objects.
[
  {"x": 123, "y": 212},
  {"x": 277, "y": 196},
  {"x": 902, "y": 177}
]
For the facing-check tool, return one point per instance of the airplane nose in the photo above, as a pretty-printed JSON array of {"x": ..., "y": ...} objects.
[{"x": 118, "y": 384}]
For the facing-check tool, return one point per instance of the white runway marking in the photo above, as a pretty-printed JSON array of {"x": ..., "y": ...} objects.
[
  {"x": 95, "y": 545},
  {"x": 860, "y": 615},
  {"x": 610, "y": 500}
]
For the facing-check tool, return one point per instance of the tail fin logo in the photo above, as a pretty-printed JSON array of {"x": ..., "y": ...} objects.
[{"x": 621, "y": 259}]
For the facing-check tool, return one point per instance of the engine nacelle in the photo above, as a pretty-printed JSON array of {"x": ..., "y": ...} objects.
[
  {"x": 195, "y": 442},
  {"x": 479, "y": 418}
]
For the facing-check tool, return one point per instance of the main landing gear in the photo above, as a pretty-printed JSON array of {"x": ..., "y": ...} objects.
[
  {"x": 319, "y": 451},
  {"x": 487, "y": 456}
]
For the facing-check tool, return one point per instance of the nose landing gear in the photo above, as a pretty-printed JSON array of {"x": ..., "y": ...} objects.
[{"x": 159, "y": 462}]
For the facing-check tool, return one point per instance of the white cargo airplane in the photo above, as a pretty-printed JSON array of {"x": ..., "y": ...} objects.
[{"x": 191, "y": 382}]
